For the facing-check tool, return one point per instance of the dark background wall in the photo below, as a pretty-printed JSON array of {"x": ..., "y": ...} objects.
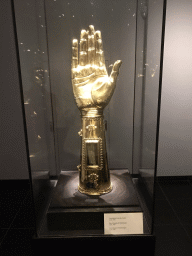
[{"x": 175, "y": 144}]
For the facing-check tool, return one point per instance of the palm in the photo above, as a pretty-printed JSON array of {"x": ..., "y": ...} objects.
[{"x": 92, "y": 86}]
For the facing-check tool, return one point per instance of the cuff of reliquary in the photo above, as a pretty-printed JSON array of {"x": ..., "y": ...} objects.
[{"x": 91, "y": 112}]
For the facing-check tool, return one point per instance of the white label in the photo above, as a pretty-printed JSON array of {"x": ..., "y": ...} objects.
[{"x": 123, "y": 223}]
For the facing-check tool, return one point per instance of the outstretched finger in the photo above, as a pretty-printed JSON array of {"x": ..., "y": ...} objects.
[
  {"x": 99, "y": 58},
  {"x": 83, "y": 48},
  {"x": 74, "y": 61},
  {"x": 91, "y": 45}
]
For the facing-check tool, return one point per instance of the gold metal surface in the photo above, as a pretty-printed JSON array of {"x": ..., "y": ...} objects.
[{"x": 93, "y": 89}]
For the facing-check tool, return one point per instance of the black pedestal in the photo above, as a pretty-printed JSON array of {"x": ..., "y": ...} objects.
[
  {"x": 71, "y": 210},
  {"x": 98, "y": 245}
]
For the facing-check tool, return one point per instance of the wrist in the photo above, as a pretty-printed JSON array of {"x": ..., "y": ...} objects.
[{"x": 91, "y": 112}]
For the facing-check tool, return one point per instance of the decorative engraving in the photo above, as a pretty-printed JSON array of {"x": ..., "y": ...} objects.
[
  {"x": 93, "y": 180},
  {"x": 101, "y": 153},
  {"x": 83, "y": 154},
  {"x": 80, "y": 132},
  {"x": 91, "y": 128},
  {"x": 79, "y": 167}
]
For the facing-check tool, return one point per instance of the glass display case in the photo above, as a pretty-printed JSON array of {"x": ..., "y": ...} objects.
[{"x": 91, "y": 73}]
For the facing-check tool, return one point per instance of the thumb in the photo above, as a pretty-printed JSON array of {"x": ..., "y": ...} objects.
[{"x": 115, "y": 70}]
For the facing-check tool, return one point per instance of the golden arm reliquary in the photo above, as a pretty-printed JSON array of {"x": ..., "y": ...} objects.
[{"x": 93, "y": 89}]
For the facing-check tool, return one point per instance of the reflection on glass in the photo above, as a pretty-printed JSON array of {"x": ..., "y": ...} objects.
[{"x": 31, "y": 31}]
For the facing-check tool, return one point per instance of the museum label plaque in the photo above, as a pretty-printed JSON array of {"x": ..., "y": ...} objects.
[{"x": 123, "y": 223}]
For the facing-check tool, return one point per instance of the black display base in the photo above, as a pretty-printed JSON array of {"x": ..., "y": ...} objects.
[
  {"x": 128, "y": 244},
  {"x": 71, "y": 210}
]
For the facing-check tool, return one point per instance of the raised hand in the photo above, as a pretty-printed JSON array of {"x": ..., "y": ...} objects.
[{"x": 92, "y": 86}]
